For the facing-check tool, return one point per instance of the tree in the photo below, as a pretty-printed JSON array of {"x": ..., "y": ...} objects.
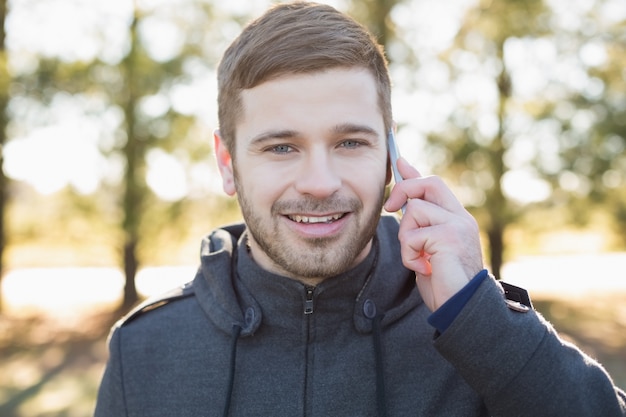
[
  {"x": 135, "y": 94},
  {"x": 477, "y": 137},
  {"x": 134, "y": 174},
  {"x": 589, "y": 116},
  {"x": 149, "y": 98},
  {"x": 5, "y": 83},
  {"x": 144, "y": 78}
]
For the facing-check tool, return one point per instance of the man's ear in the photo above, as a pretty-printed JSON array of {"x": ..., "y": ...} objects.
[
  {"x": 389, "y": 175},
  {"x": 224, "y": 163}
]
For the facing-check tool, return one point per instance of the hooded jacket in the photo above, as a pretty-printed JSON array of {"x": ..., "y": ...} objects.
[{"x": 241, "y": 341}]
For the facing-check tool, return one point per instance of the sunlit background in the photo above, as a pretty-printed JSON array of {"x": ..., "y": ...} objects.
[{"x": 520, "y": 106}]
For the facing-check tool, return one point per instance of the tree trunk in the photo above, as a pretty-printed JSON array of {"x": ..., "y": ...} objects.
[
  {"x": 495, "y": 234},
  {"x": 131, "y": 264},
  {"x": 133, "y": 190},
  {"x": 497, "y": 203},
  {"x": 5, "y": 82}
]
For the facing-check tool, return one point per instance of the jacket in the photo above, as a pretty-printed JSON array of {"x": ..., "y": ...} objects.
[{"x": 240, "y": 341}]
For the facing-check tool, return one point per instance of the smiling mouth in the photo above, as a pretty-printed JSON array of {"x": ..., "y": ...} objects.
[{"x": 315, "y": 219}]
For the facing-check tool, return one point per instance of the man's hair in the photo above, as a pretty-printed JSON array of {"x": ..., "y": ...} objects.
[{"x": 296, "y": 38}]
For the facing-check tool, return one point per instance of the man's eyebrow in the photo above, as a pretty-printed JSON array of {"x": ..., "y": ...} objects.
[
  {"x": 341, "y": 129},
  {"x": 349, "y": 128},
  {"x": 273, "y": 134}
]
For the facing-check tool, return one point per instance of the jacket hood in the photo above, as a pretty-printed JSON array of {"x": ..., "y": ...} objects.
[{"x": 389, "y": 292}]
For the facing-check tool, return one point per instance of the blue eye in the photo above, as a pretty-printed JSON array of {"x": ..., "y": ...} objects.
[
  {"x": 281, "y": 149},
  {"x": 350, "y": 144}
]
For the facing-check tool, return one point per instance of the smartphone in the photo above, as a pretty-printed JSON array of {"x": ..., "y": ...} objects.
[{"x": 394, "y": 154}]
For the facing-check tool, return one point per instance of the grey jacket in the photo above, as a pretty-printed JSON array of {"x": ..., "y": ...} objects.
[{"x": 240, "y": 341}]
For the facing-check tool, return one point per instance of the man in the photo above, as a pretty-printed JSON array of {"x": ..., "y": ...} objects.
[{"x": 311, "y": 307}]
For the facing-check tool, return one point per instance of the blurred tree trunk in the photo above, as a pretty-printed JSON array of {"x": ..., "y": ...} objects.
[
  {"x": 4, "y": 101},
  {"x": 134, "y": 188},
  {"x": 144, "y": 76},
  {"x": 497, "y": 202}
]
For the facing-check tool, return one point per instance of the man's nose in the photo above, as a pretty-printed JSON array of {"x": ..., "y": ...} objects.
[{"x": 318, "y": 176}]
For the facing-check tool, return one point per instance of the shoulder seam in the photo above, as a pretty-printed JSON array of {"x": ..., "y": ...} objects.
[{"x": 154, "y": 303}]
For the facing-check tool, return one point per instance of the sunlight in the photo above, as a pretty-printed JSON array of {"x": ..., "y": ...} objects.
[
  {"x": 66, "y": 293},
  {"x": 569, "y": 275},
  {"x": 60, "y": 291},
  {"x": 524, "y": 186},
  {"x": 166, "y": 176},
  {"x": 55, "y": 156}
]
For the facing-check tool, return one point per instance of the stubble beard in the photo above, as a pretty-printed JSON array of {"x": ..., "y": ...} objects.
[{"x": 315, "y": 257}]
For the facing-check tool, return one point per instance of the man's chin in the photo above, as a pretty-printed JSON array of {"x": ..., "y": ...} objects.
[{"x": 323, "y": 258}]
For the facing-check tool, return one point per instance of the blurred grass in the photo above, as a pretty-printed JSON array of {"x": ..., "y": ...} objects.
[
  {"x": 597, "y": 325},
  {"x": 50, "y": 368}
]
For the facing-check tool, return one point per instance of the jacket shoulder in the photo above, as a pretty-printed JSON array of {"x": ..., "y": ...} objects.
[{"x": 153, "y": 303}]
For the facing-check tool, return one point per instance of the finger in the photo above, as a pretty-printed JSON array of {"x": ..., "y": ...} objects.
[
  {"x": 398, "y": 200},
  {"x": 431, "y": 189},
  {"x": 407, "y": 170},
  {"x": 422, "y": 213},
  {"x": 450, "y": 227},
  {"x": 444, "y": 245},
  {"x": 414, "y": 257}
]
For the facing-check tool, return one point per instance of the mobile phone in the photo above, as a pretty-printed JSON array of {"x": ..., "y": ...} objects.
[{"x": 394, "y": 154}]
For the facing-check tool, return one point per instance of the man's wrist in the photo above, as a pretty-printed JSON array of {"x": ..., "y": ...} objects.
[{"x": 443, "y": 317}]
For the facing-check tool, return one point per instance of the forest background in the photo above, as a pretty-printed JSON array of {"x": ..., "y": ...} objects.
[{"x": 108, "y": 182}]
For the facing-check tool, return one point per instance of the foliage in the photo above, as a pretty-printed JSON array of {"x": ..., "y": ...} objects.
[
  {"x": 562, "y": 135},
  {"x": 142, "y": 103},
  {"x": 475, "y": 154},
  {"x": 151, "y": 100},
  {"x": 590, "y": 121}
]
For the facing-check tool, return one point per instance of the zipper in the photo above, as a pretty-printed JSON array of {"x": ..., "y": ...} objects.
[
  {"x": 308, "y": 316},
  {"x": 308, "y": 302}
]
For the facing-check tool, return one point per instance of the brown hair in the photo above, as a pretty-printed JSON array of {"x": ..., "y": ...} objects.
[{"x": 299, "y": 37}]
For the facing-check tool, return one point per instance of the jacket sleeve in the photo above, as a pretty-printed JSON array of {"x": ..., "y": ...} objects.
[
  {"x": 111, "y": 401},
  {"x": 518, "y": 364}
]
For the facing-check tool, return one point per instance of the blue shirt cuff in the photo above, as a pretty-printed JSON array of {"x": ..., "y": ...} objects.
[{"x": 443, "y": 317}]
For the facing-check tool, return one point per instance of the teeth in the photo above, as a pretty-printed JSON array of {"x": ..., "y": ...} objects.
[{"x": 307, "y": 219}]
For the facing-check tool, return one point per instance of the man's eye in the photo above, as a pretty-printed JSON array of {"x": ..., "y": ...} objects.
[
  {"x": 350, "y": 144},
  {"x": 281, "y": 149}
]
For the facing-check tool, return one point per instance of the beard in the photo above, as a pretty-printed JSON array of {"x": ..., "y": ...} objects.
[{"x": 320, "y": 257}]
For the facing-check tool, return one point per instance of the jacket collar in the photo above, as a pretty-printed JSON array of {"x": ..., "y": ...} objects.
[{"x": 251, "y": 296}]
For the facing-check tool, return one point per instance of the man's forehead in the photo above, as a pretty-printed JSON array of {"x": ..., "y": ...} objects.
[{"x": 347, "y": 86}]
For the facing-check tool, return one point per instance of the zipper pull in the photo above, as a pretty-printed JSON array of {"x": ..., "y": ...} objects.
[{"x": 308, "y": 302}]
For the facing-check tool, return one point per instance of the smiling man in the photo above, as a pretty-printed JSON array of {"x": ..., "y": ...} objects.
[
  {"x": 310, "y": 171},
  {"x": 319, "y": 305}
]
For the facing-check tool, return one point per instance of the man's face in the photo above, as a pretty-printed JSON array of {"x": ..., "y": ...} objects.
[{"x": 310, "y": 169}]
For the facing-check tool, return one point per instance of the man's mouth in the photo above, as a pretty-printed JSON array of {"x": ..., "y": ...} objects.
[{"x": 315, "y": 219}]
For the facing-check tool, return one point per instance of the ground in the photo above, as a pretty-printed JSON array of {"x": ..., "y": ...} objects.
[{"x": 52, "y": 368}]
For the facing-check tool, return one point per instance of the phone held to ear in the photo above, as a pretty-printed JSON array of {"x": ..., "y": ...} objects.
[{"x": 394, "y": 154}]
